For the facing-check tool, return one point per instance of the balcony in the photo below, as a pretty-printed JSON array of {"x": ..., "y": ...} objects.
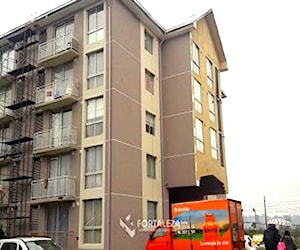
[
  {"x": 53, "y": 189},
  {"x": 55, "y": 141},
  {"x": 58, "y": 94},
  {"x": 58, "y": 50}
]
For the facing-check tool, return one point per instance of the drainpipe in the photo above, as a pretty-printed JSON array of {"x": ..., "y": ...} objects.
[
  {"x": 161, "y": 127},
  {"x": 109, "y": 133}
]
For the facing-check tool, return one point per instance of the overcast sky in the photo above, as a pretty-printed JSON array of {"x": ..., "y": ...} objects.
[{"x": 261, "y": 42}]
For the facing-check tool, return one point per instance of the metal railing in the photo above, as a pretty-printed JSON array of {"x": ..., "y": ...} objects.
[
  {"x": 57, "y": 45},
  {"x": 54, "y": 187},
  {"x": 57, "y": 89},
  {"x": 55, "y": 138}
]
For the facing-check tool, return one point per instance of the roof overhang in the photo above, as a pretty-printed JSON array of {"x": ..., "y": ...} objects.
[
  {"x": 210, "y": 19},
  {"x": 137, "y": 9},
  {"x": 191, "y": 25},
  {"x": 47, "y": 18}
]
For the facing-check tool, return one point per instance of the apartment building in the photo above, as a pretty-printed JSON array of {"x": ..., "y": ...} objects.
[{"x": 106, "y": 118}]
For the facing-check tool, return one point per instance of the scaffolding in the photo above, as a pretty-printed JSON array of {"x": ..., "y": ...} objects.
[{"x": 18, "y": 76}]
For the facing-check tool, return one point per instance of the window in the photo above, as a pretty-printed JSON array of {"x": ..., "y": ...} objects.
[
  {"x": 149, "y": 81},
  {"x": 57, "y": 215},
  {"x": 5, "y": 100},
  {"x": 9, "y": 246},
  {"x": 196, "y": 59},
  {"x": 148, "y": 42},
  {"x": 197, "y": 95},
  {"x": 63, "y": 36},
  {"x": 159, "y": 232},
  {"x": 61, "y": 128},
  {"x": 94, "y": 117},
  {"x": 92, "y": 226},
  {"x": 213, "y": 144},
  {"x": 95, "y": 24},
  {"x": 150, "y": 123},
  {"x": 63, "y": 80},
  {"x": 209, "y": 69},
  {"x": 212, "y": 108},
  {"x": 152, "y": 210},
  {"x": 151, "y": 168},
  {"x": 8, "y": 62},
  {"x": 95, "y": 70},
  {"x": 93, "y": 167},
  {"x": 59, "y": 166},
  {"x": 199, "y": 135}
]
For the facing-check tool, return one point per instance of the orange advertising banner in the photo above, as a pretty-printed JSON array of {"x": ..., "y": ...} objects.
[{"x": 204, "y": 225}]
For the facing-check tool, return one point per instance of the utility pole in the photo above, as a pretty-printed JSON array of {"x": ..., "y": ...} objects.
[
  {"x": 266, "y": 220},
  {"x": 255, "y": 222}
]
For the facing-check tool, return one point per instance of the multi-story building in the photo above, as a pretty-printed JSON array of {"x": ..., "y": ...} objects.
[{"x": 106, "y": 119}]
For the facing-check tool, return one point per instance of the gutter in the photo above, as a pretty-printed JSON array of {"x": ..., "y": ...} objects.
[
  {"x": 109, "y": 146},
  {"x": 161, "y": 126}
]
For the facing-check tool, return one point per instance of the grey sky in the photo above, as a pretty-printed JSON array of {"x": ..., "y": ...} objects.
[{"x": 261, "y": 44}]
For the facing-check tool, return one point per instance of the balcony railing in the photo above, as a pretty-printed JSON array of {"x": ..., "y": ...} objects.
[
  {"x": 64, "y": 91},
  {"x": 65, "y": 239},
  {"x": 63, "y": 48},
  {"x": 54, "y": 187},
  {"x": 62, "y": 138}
]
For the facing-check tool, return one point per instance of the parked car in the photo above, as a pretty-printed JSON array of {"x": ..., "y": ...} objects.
[
  {"x": 249, "y": 243},
  {"x": 29, "y": 243}
]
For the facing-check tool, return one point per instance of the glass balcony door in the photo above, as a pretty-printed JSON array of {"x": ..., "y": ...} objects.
[
  {"x": 57, "y": 222},
  {"x": 63, "y": 34},
  {"x": 62, "y": 80},
  {"x": 60, "y": 128},
  {"x": 59, "y": 168}
]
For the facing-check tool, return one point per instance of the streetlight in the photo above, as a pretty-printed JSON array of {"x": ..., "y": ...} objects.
[{"x": 253, "y": 209}]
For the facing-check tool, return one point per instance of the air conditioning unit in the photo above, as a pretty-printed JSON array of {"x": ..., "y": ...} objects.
[
  {"x": 68, "y": 91},
  {"x": 49, "y": 95}
]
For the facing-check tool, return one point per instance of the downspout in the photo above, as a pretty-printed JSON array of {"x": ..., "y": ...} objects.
[
  {"x": 109, "y": 133},
  {"x": 161, "y": 127}
]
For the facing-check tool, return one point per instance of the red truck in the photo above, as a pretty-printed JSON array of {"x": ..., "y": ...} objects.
[{"x": 207, "y": 224}]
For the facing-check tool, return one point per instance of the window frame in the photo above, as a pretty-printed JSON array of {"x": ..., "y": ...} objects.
[
  {"x": 150, "y": 125},
  {"x": 149, "y": 81},
  {"x": 197, "y": 95},
  {"x": 151, "y": 168},
  {"x": 96, "y": 66},
  {"x": 196, "y": 58},
  {"x": 149, "y": 215},
  {"x": 97, "y": 29},
  {"x": 212, "y": 107},
  {"x": 95, "y": 120},
  {"x": 213, "y": 144},
  {"x": 199, "y": 135},
  {"x": 96, "y": 172},
  {"x": 94, "y": 228},
  {"x": 148, "y": 42},
  {"x": 209, "y": 72}
]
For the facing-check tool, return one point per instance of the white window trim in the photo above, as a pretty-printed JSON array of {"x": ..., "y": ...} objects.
[
  {"x": 199, "y": 136},
  {"x": 197, "y": 99},
  {"x": 213, "y": 143},
  {"x": 212, "y": 107}
]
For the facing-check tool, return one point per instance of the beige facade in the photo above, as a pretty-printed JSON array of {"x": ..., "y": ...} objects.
[{"x": 125, "y": 118}]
